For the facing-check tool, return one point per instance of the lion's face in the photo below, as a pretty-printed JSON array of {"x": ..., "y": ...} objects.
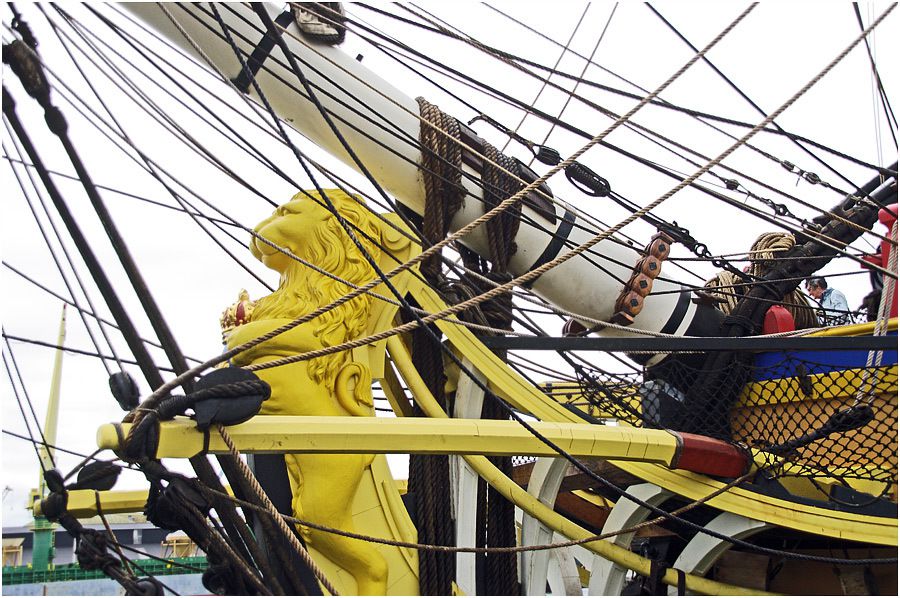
[{"x": 291, "y": 226}]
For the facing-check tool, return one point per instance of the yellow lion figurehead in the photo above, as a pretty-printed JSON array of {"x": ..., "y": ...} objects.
[{"x": 304, "y": 227}]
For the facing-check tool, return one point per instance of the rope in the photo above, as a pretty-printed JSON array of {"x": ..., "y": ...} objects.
[
  {"x": 728, "y": 288},
  {"x": 503, "y": 549},
  {"x": 273, "y": 512},
  {"x": 516, "y": 198},
  {"x": 871, "y": 376},
  {"x": 429, "y": 475},
  {"x": 533, "y": 274}
]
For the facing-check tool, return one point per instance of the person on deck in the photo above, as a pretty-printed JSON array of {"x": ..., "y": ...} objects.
[{"x": 833, "y": 302}]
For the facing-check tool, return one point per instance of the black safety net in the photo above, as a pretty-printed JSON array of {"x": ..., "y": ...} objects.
[{"x": 826, "y": 420}]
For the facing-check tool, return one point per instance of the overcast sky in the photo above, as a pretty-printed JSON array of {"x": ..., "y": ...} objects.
[{"x": 778, "y": 48}]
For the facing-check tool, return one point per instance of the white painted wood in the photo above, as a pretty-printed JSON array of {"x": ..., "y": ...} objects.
[
  {"x": 562, "y": 572},
  {"x": 608, "y": 578},
  {"x": 703, "y": 550},
  {"x": 546, "y": 478},
  {"x": 464, "y": 481}
]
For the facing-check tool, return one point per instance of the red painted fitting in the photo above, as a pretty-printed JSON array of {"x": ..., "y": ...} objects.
[
  {"x": 702, "y": 454},
  {"x": 778, "y": 319}
]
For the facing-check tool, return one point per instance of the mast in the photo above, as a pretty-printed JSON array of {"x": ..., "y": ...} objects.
[
  {"x": 47, "y": 451},
  {"x": 353, "y": 95},
  {"x": 44, "y": 530}
]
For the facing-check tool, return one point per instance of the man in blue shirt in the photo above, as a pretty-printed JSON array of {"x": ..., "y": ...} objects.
[{"x": 834, "y": 304}]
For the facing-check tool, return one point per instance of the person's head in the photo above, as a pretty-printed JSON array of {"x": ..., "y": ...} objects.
[{"x": 816, "y": 286}]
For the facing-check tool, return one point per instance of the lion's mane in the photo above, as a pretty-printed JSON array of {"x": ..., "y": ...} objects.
[{"x": 302, "y": 289}]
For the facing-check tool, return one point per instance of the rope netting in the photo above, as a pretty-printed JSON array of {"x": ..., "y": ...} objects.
[{"x": 792, "y": 406}]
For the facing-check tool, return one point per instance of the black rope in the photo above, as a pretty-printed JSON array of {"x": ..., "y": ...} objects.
[
  {"x": 71, "y": 349},
  {"x": 86, "y": 312},
  {"x": 65, "y": 252},
  {"x": 24, "y": 417},
  {"x": 658, "y": 101},
  {"x": 882, "y": 94},
  {"x": 746, "y": 97}
]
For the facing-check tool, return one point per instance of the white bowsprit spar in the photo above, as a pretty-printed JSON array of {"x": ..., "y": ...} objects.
[{"x": 356, "y": 97}]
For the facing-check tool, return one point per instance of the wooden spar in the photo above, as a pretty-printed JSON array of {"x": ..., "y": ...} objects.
[{"x": 576, "y": 286}]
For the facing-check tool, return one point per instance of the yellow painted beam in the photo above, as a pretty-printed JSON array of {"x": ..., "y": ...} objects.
[
  {"x": 83, "y": 503},
  {"x": 864, "y": 329},
  {"x": 301, "y": 434}
]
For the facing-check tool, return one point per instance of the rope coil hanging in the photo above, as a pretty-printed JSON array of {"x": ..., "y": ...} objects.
[
  {"x": 728, "y": 289},
  {"x": 442, "y": 172}
]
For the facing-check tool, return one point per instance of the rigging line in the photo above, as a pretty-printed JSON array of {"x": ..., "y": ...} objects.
[
  {"x": 138, "y": 349},
  {"x": 571, "y": 128},
  {"x": 540, "y": 92},
  {"x": 534, "y": 273},
  {"x": 172, "y": 125},
  {"x": 503, "y": 549},
  {"x": 515, "y": 60},
  {"x": 67, "y": 451},
  {"x": 66, "y": 254},
  {"x": 747, "y": 98},
  {"x": 165, "y": 119},
  {"x": 560, "y": 259},
  {"x": 34, "y": 443},
  {"x": 583, "y": 72},
  {"x": 161, "y": 391},
  {"x": 505, "y": 57},
  {"x": 172, "y": 67},
  {"x": 538, "y": 368},
  {"x": 119, "y": 145},
  {"x": 703, "y": 116},
  {"x": 151, "y": 309},
  {"x": 127, "y": 194},
  {"x": 153, "y": 172},
  {"x": 37, "y": 422},
  {"x": 140, "y": 568},
  {"x": 232, "y": 135},
  {"x": 579, "y": 212},
  {"x": 150, "y": 171},
  {"x": 126, "y": 565},
  {"x": 885, "y": 102},
  {"x": 245, "y": 146},
  {"x": 71, "y": 350},
  {"x": 161, "y": 559}
]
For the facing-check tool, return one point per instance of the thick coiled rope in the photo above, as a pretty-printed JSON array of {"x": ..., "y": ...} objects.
[{"x": 729, "y": 289}]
